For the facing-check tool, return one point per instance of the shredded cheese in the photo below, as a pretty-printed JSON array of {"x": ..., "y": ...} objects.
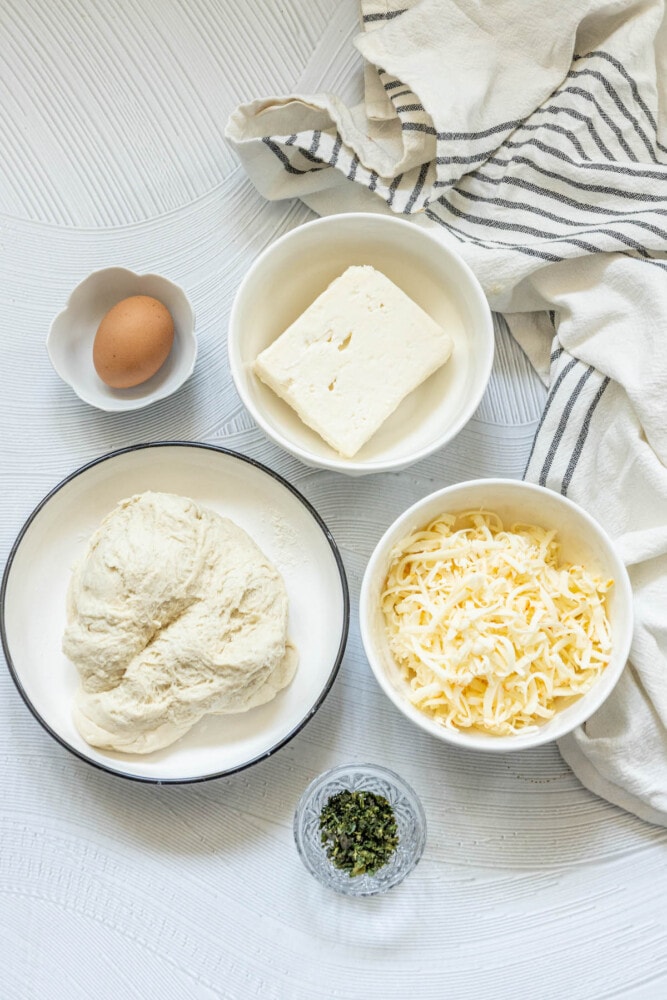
[{"x": 489, "y": 629}]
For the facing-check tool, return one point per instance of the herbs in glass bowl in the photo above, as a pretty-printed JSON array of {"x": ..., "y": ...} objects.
[{"x": 359, "y": 829}]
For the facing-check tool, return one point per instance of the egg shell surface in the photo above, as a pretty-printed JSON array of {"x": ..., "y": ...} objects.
[{"x": 133, "y": 341}]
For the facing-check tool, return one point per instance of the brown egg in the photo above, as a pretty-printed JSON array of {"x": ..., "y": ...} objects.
[{"x": 133, "y": 341}]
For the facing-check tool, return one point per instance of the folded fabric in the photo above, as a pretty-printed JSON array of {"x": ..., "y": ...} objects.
[{"x": 528, "y": 136}]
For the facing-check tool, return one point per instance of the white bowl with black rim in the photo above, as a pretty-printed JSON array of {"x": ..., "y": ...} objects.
[{"x": 284, "y": 525}]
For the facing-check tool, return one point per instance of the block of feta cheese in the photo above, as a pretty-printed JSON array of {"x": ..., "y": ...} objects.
[{"x": 348, "y": 361}]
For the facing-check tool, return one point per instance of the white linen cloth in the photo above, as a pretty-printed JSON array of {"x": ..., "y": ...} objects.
[{"x": 530, "y": 137}]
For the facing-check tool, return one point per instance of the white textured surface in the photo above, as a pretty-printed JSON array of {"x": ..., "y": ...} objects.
[{"x": 112, "y": 119}]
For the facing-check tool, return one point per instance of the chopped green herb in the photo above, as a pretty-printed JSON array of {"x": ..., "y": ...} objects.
[{"x": 358, "y": 831}]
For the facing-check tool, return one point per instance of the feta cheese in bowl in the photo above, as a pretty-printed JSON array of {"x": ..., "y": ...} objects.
[
  {"x": 331, "y": 364},
  {"x": 412, "y": 374},
  {"x": 496, "y": 615}
]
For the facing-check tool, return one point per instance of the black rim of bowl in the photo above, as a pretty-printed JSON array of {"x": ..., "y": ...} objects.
[{"x": 228, "y": 771}]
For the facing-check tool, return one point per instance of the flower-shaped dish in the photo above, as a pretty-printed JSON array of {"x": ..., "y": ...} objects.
[{"x": 70, "y": 339}]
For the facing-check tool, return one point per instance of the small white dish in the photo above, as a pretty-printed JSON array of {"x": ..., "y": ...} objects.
[
  {"x": 70, "y": 339},
  {"x": 289, "y": 275},
  {"x": 582, "y": 540},
  {"x": 279, "y": 519}
]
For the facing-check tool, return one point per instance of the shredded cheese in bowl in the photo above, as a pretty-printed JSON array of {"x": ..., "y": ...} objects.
[{"x": 488, "y": 627}]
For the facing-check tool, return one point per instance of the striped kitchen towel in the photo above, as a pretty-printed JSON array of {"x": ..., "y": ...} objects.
[{"x": 530, "y": 137}]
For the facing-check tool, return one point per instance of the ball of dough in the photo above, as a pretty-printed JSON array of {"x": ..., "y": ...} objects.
[{"x": 174, "y": 613}]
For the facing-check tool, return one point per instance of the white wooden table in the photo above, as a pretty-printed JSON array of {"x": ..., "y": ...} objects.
[{"x": 112, "y": 118}]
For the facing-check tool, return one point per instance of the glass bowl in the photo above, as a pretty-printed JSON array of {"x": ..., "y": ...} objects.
[{"x": 410, "y": 821}]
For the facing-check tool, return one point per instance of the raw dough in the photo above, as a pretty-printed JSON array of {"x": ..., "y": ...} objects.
[{"x": 173, "y": 613}]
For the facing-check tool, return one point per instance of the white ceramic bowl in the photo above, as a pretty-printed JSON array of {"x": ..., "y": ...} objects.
[
  {"x": 289, "y": 275},
  {"x": 284, "y": 525},
  {"x": 582, "y": 541},
  {"x": 70, "y": 338}
]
